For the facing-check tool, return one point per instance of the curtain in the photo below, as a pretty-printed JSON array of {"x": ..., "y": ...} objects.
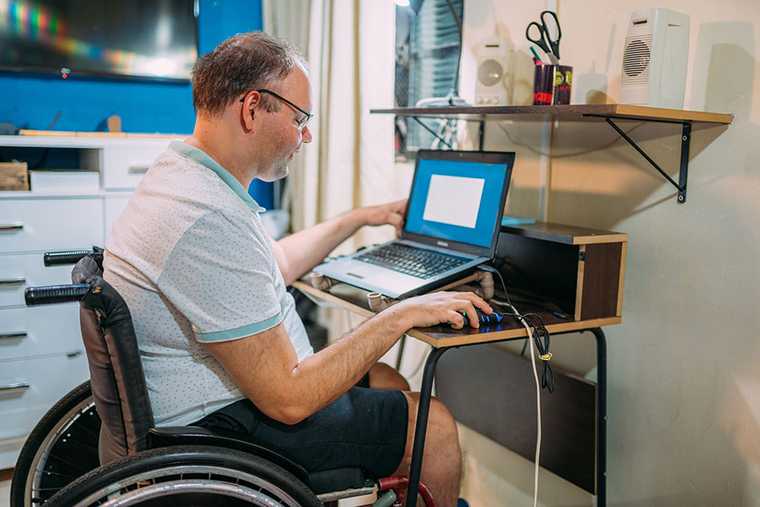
[{"x": 350, "y": 162}]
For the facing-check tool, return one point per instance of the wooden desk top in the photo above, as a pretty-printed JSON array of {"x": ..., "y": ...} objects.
[{"x": 343, "y": 296}]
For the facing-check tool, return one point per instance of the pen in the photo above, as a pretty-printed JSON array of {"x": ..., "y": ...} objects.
[{"x": 536, "y": 59}]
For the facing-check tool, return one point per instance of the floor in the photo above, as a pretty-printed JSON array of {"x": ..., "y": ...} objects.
[{"x": 5, "y": 487}]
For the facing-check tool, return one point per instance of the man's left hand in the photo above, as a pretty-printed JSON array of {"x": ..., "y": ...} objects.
[{"x": 391, "y": 213}]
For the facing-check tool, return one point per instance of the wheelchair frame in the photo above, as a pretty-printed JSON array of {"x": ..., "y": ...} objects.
[{"x": 56, "y": 428}]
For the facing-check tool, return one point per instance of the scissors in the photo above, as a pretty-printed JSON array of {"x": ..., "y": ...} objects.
[{"x": 546, "y": 35}]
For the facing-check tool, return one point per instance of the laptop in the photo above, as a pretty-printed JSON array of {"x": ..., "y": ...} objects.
[{"x": 452, "y": 223}]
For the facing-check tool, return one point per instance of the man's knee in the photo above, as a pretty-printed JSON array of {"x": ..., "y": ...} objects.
[
  {"x": 441, "y": 426},
  {"x": 441, "y": 421},
  {"x": 382, "y": 376}
]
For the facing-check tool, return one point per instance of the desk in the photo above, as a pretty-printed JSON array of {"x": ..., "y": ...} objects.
[{"x": 443, "y": 338}]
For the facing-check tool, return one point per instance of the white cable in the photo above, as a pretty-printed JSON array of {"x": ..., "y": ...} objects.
[{"x": 538, "y": 405}]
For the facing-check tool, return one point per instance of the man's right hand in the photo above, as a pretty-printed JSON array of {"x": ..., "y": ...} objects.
[{"x": 441, "y": 308}]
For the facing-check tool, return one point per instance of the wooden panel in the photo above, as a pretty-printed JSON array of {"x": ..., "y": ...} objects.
[
  {"x": 601, "y": 281},
  {"x": 621, "y": 283},
  {"x": 539, "y": 269},
  {"x": 492, "y": 391},
  {"x": 445, "y": 336},
  {"x": 14, "y": 176},
  {"x": 579, "y": 281},
  {"x": 566, "y": 234},
  {"x": 572, "y": 112}
]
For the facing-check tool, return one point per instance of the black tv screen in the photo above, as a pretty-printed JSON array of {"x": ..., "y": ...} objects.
[{"x": 155, "y": 39}]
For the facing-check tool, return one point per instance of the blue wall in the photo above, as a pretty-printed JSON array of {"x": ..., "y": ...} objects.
[{"x": 32, "y": 101}]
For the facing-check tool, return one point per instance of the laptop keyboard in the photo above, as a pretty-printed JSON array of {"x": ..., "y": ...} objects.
[{"x": 411, "y": 261}]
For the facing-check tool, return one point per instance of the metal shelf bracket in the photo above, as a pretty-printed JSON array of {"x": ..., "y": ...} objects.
[{"x": 683, "y": 172}]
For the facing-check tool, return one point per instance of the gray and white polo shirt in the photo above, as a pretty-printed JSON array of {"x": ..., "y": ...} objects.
[{"x": 191, "y": 258}]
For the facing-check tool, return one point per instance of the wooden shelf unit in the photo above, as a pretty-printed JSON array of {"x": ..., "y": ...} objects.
[
  {"x": 594, "y": 279},
  {"x": 608, "y": 113},
  {"x": 444, "y": 336},
  {"x": 572, "y": 112}
]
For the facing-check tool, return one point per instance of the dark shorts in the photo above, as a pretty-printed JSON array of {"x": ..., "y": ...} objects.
[{"x": 365, "y": 428}]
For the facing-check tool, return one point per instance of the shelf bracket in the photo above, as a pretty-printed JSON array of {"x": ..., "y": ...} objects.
[
  {"x": 433, "y": 132},
  {"x": 683, "y": 171},
  {"x": 481, "y": 131}
]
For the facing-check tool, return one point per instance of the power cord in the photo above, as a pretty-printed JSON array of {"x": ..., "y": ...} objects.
[{"x": 538, "y": 340}]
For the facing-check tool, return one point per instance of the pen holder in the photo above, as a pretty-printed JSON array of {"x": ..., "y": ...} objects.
[{"x": 552, "y": 84}]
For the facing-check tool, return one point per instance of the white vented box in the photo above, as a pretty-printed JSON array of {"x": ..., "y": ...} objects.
[{"x": 655, "y": 58}]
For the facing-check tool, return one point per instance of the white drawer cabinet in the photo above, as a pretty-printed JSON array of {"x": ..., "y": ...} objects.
[
  {"x": 115, "y": 204},
  {"x": 126, "y": 166},
  {"x": 28, "y": 388},
  {"x": 36, "y": 224},
  {"x": 41, "y": 347},
  {"x": 39, "y": 330},
  {"x": 26, "y": 270}
]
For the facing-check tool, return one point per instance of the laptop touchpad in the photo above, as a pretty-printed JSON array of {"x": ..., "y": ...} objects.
[{"x": 361, "y": 271}]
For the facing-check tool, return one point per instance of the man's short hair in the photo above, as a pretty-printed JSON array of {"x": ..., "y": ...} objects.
[{"x": 242, "y": 63}]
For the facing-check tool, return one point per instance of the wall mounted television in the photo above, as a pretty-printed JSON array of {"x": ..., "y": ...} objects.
[{"x": 144, "y": 39}]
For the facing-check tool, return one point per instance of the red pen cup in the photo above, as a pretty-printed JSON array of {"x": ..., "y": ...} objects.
[{"x": 552, "y": 84}]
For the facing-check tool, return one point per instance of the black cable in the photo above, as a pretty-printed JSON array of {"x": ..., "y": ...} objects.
[
  {"x": 541, "y": 336},
  {"x": 459, "y": 54}
]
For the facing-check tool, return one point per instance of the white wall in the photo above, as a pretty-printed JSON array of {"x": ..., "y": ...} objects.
[
  {"x": 683, "y": 393},
  {"x": 684, "y": 389}
]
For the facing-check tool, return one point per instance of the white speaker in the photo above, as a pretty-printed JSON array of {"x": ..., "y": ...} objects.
[
  {"x": 491, "y": 85},
  {"x": 654, "y": 59}
]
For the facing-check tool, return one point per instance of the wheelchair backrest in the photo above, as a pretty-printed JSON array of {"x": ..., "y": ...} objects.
[{"x": 116, "y": 373}]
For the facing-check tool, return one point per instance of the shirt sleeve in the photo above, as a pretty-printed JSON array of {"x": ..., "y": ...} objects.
[{"x": 220, "y": 277}]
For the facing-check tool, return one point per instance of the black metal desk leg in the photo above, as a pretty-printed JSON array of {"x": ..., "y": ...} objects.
[
  {"x": 401, "y": 347},
  {"x": 601, "y": 417},
  {"x": 421, "y": 426}
]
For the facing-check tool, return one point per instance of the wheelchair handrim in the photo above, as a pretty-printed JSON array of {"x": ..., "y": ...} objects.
[
  {"x": 43, "y": 452},
  {"x": 164, "y": 489},
  {"x": 181, "y": 470}
]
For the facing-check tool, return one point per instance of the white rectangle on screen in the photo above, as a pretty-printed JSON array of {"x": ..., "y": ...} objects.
[{"x": 454, "y": 200}]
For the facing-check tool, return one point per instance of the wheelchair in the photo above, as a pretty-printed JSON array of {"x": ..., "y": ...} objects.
[{"x": 109, "y": 420}]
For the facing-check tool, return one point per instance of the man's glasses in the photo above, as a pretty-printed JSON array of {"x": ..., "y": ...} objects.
[{"x": 302, "y": 120}]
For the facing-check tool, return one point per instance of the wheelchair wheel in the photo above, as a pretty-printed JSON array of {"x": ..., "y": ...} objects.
[
  {"x": 187, "y": 476},
  {"x": 62, "y": 447}
]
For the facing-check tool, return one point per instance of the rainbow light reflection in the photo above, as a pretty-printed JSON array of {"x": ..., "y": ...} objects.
[{"x": 31, "y": 21}]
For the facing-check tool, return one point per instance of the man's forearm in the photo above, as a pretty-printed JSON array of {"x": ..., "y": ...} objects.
[
  {"x": 305, "y": 249},
  {"x": 320, "y": 379}
]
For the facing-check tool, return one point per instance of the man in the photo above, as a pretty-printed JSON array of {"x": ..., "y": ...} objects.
[{"x": 221, "y": 343}]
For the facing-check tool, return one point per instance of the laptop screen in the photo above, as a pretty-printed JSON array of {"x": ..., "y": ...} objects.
[{"x": 458, "y": 199}]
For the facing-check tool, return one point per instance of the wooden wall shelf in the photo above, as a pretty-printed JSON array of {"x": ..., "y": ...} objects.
[
  {"x": 572, "y": 112},
  {"x": 578, "y": 112}
]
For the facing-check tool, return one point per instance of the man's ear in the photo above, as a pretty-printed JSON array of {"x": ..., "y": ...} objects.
[
  {"x": 247, "y": 118},
  {"x": 249, "y": 115}
]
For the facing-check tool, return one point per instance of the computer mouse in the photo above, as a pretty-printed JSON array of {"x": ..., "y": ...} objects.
[{"x": 485, "y": 319}]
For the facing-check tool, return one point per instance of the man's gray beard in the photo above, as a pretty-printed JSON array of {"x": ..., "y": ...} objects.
[
  {"x": 282, "y": 171},
  {"x": 277, "y": 173}
]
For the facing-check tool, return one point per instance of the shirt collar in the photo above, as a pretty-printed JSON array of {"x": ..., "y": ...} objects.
[{"x": 205, "y": 160}]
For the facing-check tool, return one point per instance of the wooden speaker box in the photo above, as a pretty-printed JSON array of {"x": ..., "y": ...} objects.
[{"x": 577, "y": 270}]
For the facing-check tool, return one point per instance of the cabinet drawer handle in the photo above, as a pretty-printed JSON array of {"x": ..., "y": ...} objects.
[
  {"x": 17, "y": 226},
  {"x": 14, "y": 386},
  {"x": 13, "y": 281},
  {"x": 11, "y": 336},
  {"x": 138, "y": 169}
]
